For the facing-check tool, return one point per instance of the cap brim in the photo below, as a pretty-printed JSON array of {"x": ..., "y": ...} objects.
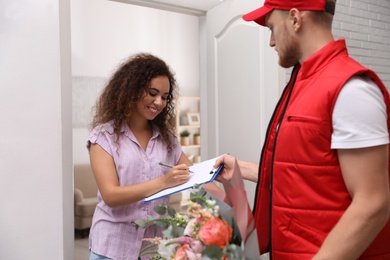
[{"x": 258, "y": 15}]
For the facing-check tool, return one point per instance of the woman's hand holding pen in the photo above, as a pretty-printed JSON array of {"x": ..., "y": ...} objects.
[{"x": 177, "y": 175}]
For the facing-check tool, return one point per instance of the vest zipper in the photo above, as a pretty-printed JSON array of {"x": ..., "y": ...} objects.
[{"x": 291, "y": 84}]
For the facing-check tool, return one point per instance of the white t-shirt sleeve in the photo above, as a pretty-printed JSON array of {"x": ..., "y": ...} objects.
[{"x": 359, "y": 116}]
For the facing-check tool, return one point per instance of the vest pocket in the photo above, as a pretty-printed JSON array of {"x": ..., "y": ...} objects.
[
  {"x": 303, "y": 119},
  {"x": 306, "y": 234},
  {"x": 306, "y": 126}
]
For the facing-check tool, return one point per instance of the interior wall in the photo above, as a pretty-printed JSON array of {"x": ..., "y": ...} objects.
[
  {"x": 239, "y": 100},
  {"x": 104, "y": 33},
  {"x": 36, "y": 196}
]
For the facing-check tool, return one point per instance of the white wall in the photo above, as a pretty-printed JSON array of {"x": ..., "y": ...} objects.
[
  {"x": 36, "y": 197},
  {"x": 36, "y": 194},
  {"x": 106, "y": 32}
]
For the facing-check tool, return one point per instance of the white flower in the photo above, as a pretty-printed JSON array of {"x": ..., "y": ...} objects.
[
  {"x": 166, "y": 250},
  {"x": 211, "y": 202},
  {"x": 181, "y": 216},
  {"x": 216, "y": 210},
  {"x": 190, "y": 227}
]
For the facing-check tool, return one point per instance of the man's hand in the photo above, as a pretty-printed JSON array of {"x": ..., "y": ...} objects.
[
  {"x": 229, "y": 163},
  {"x": 249, "y": 170}
]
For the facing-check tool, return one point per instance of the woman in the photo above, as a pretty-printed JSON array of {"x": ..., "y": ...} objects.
[{"x": 133, "y": 131}]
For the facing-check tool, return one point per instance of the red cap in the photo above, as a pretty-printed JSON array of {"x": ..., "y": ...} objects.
[{"x": 259, "y": 15}]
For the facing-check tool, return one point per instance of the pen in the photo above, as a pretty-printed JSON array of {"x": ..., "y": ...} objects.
[{"x": 170, "y": 166}]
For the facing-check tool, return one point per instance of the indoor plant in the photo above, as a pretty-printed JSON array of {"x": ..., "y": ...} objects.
[
  {"x": 197, "y": 138},
  {"x": 185, "y": 137}
]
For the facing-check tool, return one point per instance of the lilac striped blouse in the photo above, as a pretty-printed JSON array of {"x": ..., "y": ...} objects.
[{"x": 112, "y": 234}]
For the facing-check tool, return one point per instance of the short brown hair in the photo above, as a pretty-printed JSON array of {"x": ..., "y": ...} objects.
[{"x": 324, "y": 18}]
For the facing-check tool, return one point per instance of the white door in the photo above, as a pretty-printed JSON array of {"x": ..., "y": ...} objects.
[{"x": 240, "y": 86}]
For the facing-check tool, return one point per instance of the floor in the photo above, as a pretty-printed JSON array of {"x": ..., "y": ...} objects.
[{"x": 81, "y": 251}]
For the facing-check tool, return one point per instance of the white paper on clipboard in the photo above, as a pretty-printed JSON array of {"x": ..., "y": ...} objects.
[{"x": 202, "y": 173}]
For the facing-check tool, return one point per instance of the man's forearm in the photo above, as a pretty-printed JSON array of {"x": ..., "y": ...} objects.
[
  {"x": 249, "y": 170},
  {"x": 354, "y": 232}
]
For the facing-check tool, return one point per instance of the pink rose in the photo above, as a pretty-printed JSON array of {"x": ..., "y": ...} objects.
[
  {"x": 215, "y": 232},
  {"x": 181, "y": 252},
  {"x": 195, "y": 248}
]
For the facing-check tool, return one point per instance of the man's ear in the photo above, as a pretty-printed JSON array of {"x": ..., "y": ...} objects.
[{"x": 295, "y": 17}]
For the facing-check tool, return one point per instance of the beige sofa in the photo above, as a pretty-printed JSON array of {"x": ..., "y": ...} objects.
[{"x": 85, "y": 198}]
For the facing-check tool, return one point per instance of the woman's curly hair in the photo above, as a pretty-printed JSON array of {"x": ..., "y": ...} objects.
[{"x": 118, "y": 101}]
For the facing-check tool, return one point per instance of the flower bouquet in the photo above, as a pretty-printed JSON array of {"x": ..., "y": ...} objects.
[{"x": 207, "y": 230}]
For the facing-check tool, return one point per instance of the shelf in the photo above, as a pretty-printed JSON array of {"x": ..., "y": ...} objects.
[
  {"x": 189, "y": 126},
  {"x": 191, "y": 146},
  {"x": 186, "y": 105},
  {"x": 189, "y": 97}
]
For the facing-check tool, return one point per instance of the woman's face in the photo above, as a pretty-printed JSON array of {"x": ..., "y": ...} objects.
[{"x": 154, "y": 99}]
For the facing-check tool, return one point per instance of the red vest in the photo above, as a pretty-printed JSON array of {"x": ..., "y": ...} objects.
[{"x": 308, "y": 192}]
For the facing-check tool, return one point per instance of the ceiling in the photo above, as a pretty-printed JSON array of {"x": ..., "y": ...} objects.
[
  {"x": 192, "y": 7},
  {"x": 203, "y": 5}
]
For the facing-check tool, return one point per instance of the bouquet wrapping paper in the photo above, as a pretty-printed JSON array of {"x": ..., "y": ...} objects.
[{"x": 234, "y": 195}]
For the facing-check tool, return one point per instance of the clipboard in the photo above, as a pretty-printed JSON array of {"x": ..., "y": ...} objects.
[{"x": 202, "y": 173}]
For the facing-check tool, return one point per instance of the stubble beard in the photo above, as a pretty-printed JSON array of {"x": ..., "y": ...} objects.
[{"x": 291, "y": 53}]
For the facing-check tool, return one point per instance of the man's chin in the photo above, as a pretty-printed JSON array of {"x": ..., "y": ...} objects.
[{"x": 285, "y": 65}]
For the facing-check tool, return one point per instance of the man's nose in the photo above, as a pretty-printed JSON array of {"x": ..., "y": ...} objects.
[{"x": 271, "y": 42}]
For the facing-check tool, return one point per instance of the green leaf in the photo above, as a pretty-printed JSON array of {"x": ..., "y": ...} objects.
[
  {"x": 161, "y": 210},
  {"x": 198, "y": 191},
  {"x": 213, "y": 252},
  {"x": 162, "y": 224},
  {"x": 168, "y": 232},
  {"x": 177, "y": 231},
  {"x": 234, "y": 252},
  {"x": 171, "y": 212},
  {"x": 140, "y": 223}
]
